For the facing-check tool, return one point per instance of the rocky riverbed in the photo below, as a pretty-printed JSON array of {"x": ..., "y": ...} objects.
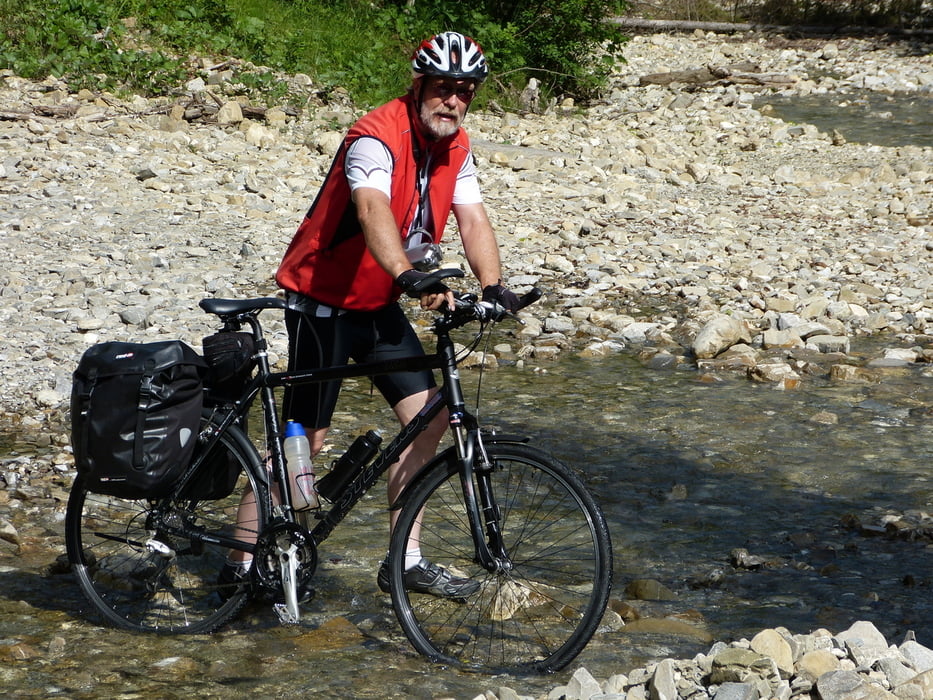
[
  {"x": 644, "y": 217},
  {"x": 674, "y": 221}
]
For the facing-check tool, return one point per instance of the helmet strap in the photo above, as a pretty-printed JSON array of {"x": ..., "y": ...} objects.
[{"x": 422, "y": 86}]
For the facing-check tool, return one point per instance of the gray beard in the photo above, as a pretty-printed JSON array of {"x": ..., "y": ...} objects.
[{"x": 434, "y": 130}]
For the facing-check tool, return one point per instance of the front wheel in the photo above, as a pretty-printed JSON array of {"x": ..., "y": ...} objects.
[
  {"x": 541, "y": 612},
  {"x": 155, "y": 565}
]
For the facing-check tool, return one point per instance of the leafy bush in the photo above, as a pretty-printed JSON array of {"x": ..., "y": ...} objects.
[
  {"x": 84, "y": 42},
  {"x": 362, "y": 46},
  {"x": 567, "y": 44}
]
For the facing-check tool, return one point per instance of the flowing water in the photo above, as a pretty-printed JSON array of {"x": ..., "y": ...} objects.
[
  {"x": 687, "y": 470},
  {"x": 862, "y": 117}
]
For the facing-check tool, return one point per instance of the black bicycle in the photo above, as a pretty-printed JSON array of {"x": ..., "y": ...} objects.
[{"x": 491, "y": 507}]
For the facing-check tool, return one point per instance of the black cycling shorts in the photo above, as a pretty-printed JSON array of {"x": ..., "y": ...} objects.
[{"x": 332, "y": 337}]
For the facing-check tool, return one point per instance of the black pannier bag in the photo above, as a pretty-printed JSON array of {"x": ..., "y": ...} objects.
[
  {"x": 135, "y": 412},
  {"x": 230, "y": 357},
  {"x": 216, "y": 478}
]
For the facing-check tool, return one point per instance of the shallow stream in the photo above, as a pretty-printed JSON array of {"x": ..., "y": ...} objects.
[
  {"x": 687, "y": 471},
  {"x": 861, "y": 117}
]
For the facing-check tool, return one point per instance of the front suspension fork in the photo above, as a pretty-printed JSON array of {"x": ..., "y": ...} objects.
[{"x": 482, "y": 508}]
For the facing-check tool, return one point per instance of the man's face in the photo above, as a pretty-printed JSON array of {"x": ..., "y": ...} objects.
[{"x": 444, "y": 105}]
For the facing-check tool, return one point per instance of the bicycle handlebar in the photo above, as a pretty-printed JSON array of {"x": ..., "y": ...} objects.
[{"x": 467, "y": 307}]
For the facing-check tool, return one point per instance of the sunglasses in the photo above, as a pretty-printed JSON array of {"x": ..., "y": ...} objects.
[{"x": 444, "y": 90}]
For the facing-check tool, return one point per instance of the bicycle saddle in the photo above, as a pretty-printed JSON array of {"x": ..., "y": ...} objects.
[{"x": 234, "y": 307}]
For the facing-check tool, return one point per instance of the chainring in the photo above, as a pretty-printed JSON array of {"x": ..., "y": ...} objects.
[{"x": 279, "y": 537}]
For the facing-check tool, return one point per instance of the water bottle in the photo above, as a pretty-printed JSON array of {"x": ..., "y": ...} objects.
[
  {"x": 349, "y": 465},
  {"x": 300, "y": 472}
]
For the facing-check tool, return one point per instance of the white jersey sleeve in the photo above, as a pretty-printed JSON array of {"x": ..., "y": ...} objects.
[
  {"x": 467, "y": 190},
  {"x": 369, "y": 164}
]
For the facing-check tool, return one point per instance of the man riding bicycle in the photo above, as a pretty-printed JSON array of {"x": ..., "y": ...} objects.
[{"x": 379, "y": 216}]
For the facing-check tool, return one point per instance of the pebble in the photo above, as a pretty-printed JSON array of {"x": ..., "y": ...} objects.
[
  {"x": 855, "y": 664},
  {"x": 644, "y": 217}
]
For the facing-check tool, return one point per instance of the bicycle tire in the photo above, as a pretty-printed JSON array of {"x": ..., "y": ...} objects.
[
  {"x": 539, "y": 615},
  {"x": 144, "y": 579}
]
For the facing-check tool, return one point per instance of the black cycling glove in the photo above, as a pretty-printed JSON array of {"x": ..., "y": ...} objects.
[
  {"x": 415, "y": 283},
  {"x": 503, "y": 295}
]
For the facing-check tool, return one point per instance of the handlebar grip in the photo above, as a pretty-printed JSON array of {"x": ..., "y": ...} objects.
[{"x": 529, "y": 298}]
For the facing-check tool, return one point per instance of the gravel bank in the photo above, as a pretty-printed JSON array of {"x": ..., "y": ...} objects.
[
  {"x": 679, "y": 222},
  {"x": 644, "y": 217}
]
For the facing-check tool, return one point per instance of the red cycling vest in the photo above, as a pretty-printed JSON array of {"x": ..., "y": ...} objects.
[{"x": 327, "y": 259}]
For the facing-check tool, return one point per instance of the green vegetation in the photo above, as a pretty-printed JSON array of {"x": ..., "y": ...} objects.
[{"x": 153, "y": 47}]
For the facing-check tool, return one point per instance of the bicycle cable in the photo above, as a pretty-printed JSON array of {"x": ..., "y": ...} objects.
[{"x": 484, "y": 330}]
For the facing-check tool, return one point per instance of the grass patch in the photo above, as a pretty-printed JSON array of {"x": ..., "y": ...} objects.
[{"x": 152, "y": 48}]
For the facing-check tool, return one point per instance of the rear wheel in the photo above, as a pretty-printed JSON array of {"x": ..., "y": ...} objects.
[
  {"x": 152, "y": 565},
  {"x": 539, "y": 614}
]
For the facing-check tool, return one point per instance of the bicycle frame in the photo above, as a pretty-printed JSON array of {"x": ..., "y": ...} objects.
[{"x": 482, "y": 512}]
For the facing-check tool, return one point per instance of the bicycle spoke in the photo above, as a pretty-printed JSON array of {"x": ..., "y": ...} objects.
[
  {"x": 154, "y": 565},
  {"x": 541, "y": 612}
]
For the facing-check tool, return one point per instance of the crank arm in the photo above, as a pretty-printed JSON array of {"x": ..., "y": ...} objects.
[{"x": 288, "y": 612}]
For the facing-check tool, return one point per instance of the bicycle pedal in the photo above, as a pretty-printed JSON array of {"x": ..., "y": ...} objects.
[{"x": 286, "y": 617}]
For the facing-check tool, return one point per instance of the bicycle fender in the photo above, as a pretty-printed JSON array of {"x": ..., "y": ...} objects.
[{"x": 513, "y": 438}]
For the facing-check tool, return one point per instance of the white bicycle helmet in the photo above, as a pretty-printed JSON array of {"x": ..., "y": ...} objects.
[{"x": 450, "y": 54}]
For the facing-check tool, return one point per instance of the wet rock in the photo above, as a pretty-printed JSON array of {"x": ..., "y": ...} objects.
[
  {"x": 18, "y": 651},
  {"x": 648, "y": 589},
  {"x": 666, "y": 626},
  {"x": 336, "y": 633},
  {"x": 851, "y": 373},
  {"x": 741, "y": 558},
  {"x": 824, "y": 418},
  {"x": 718, "y": 334},
  {"x": 8, "y": 533}
]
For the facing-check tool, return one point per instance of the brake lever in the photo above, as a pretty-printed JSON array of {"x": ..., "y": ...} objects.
[
  {"x": 493, "y": 310},
  {"x": 515, "y": 317}
]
